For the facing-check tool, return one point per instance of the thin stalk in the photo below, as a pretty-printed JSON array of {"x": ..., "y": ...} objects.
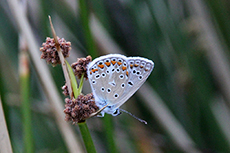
[
  {"x": 108, "y": 126},
  {"x": 62, "y": 59},
  {"x": 85, "y": 23},
  {"x": 24, "y": 71},
  {"x": 25, "y": 92},
  {"x": 87, "y": 137}
]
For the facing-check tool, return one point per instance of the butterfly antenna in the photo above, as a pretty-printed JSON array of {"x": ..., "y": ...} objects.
[{"x": 143, "y": 121}]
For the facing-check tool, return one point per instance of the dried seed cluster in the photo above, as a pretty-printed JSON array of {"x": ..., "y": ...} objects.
[
  {"x": 49, "y": 50},
  {"x": 79, "y": 109},
  {"x": 80, "y": 66},
  {"x": 65, "y": 90}
]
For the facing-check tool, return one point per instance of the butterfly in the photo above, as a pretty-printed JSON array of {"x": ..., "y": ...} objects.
[{"x": 114, "y": 78}]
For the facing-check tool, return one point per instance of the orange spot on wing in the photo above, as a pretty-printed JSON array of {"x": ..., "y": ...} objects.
[
  {"x": 107, "y": 63},
  {"x": 113, "y": 62},
  {"x": 119, "y": 63},
  {"x": 141, "y": 66},
  {"x": 101, "y": 66},
  {"x": 127, "y": 73},
  {"x": 94, "y": 70},
  {"x": 124, "y": 68},
  {"x": 131, "y": 65},
  {"x": 136, "y": 65}
]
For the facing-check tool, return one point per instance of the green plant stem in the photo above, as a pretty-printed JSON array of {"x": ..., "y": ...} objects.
[
  {"x": 86, "y": 137},
  {"x": 85, "y": 23},
  {"x": 108, "y": 126},
  {"x": 26, "y": 112},
  {"x": 83, "y": 126}
]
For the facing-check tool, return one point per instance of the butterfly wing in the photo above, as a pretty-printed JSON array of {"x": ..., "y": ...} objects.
[
  {"x": 138, "y": 71},
  {"x": 106, "y": 75},
  {"x": 114, "y": 78}
]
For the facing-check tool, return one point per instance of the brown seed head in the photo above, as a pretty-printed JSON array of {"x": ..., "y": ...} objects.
[
  {"x": 65, "y": 90},
  {"x": 79, "y": 109},
  {"x": 80, "y": 66},
  {"x": 49, "y": 50}
]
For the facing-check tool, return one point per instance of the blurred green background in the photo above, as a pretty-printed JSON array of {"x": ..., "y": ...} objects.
[{"x": 185, "y": 100}]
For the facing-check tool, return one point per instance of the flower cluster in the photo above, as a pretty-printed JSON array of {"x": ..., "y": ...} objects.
[
  {"x": 49, "y": 50},
  {"x": 79, "y": 109},
  {"x": 80, "y": 67}
]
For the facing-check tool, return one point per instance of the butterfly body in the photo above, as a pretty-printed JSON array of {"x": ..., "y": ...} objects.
[{"x": 114, "y": 78}]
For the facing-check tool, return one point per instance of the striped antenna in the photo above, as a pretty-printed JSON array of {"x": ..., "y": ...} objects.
[{"x": 122, "y": 110}]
